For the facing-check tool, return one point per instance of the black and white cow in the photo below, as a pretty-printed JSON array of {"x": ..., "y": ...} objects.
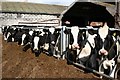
[
  {"x": 34, "y": 39},
  {"x": 106, "y": 49},
  {"x": 76, "y": 37},
  {"x": 9, "y": 33},
  {"x": 44, "y": 40},
  {"x": 26, "y": 37},
  {"x": 81, "y": 45},
  {"x": 5, "y": 32},
  {"x": 87, "y": 54},
  {"x": 54, "y": 35}
]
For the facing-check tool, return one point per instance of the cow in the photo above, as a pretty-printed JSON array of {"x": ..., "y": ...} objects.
[
  {"x": 44, "y": 40},
  {"x": 87, "y": 54},
  {"x": 12, "y": 34},
  {"x": 9, "y": 33},
  {"x": 76, "y": 36},
  {"x": 37, "y": 43},
  {"x": 26, "y": 37},
  {"x": 5, "y": 31},
  {"x": 54, "y": 35},
  {"x": 36, "y": 39},
  {"x": 72, "y": 44},
  {"x": 106, "y": 48}
]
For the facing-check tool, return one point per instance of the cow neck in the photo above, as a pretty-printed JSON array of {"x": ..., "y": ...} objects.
[{"x": 84, "y": 43}]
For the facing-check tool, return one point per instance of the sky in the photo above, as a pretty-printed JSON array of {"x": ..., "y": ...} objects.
[{"x": 58, "y": 2}]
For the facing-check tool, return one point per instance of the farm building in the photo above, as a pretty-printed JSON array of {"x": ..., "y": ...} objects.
[
  {"x": 81, "y": 12},
  {"x": 16, "y": 12}
]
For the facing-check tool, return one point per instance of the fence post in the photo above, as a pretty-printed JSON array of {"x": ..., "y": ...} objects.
[{"x": 63, "y": 42}]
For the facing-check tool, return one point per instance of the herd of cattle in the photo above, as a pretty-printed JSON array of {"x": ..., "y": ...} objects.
[
  {"x": 96, "y": 49},
  {"x": 38, "y": 40}
]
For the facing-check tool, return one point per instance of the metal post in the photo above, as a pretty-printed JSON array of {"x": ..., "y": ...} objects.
[
  {"x": 117, "y": 14},
  {"x": 63, "y": 42}
]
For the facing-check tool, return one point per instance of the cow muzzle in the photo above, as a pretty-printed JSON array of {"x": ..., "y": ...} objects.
[
  {"x": 103, "y": 52},
  {"x": 35, "y": 49},
  {"x": 75, "y": 46}
]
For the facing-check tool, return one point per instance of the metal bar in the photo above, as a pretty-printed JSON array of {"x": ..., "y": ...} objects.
[
  {"x": 89, "y": 69},
  {"x": 64, "y": 41},
  {"x": 61, "y": 41},
  {"x": 83, "y": 28},
  {"x": 36, "y": 23},
  {"x": 37, "y": 27},
  {"x": 47, "y": 27}
]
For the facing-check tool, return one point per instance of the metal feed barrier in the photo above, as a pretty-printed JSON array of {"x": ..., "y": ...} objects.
[{"x": 66, "y": 44}]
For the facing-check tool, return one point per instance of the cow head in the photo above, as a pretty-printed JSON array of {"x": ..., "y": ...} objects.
[
  {"x": 11, "y": 32},
  {"x": 37, "y": 42},
  {"x": 105, "y": 42},
  {"x": 74, "y": 32}
]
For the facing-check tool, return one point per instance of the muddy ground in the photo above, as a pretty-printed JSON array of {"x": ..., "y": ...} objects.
[{"x": 19, "y": 64}]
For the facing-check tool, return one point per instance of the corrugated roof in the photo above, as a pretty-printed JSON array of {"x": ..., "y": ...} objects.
[{"x": 25, "y": 7}]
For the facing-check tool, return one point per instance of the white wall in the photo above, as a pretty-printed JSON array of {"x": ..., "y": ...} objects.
[
  {"x": 10, "y": 19},
  {"x": 15, "y": 0}
]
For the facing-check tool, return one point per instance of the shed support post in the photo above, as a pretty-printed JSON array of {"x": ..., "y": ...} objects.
[{"x": 63, "y": 42}]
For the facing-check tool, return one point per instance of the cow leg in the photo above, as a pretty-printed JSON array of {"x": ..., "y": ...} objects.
[
  {"x": 26, "y": 47},
  {"x": 92, "y": 63},
  {"x": 19, "y": 41},
  {"x": 71, "y": 56},
  {"x": 51, "y": 50}
]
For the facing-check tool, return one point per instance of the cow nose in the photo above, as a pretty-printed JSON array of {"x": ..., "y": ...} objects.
[
  {"x": 75, "y": 46},
  {"x": 35, "y": 49},
  {"x": 103, "y": 52}
]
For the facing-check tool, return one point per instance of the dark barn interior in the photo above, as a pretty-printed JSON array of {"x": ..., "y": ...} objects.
[{"x": 81, "y": 13}]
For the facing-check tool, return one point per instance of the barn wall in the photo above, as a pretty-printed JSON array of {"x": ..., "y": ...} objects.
[
  {"x": 14, "y": 19},
  {"x": 9, "y": 18}
]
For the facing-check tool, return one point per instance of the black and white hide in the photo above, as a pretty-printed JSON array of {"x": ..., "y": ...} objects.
[
  {"x": 23, "y": 36},
  {"x": 86, "y": 55},
  {"x": 54, "y": 42},
  {"x": 106, "y": 49},
  {"x": 10, "y": 33},
  {"x": 37, "y": 42},
  {"x": 75, "y": 38},
  {"x": 27, "y": 40}
]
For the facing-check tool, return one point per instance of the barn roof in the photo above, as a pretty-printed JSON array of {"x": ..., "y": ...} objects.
[
  {"x": 25, "y": 7},
  {"x": 82, "y": 12}
]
